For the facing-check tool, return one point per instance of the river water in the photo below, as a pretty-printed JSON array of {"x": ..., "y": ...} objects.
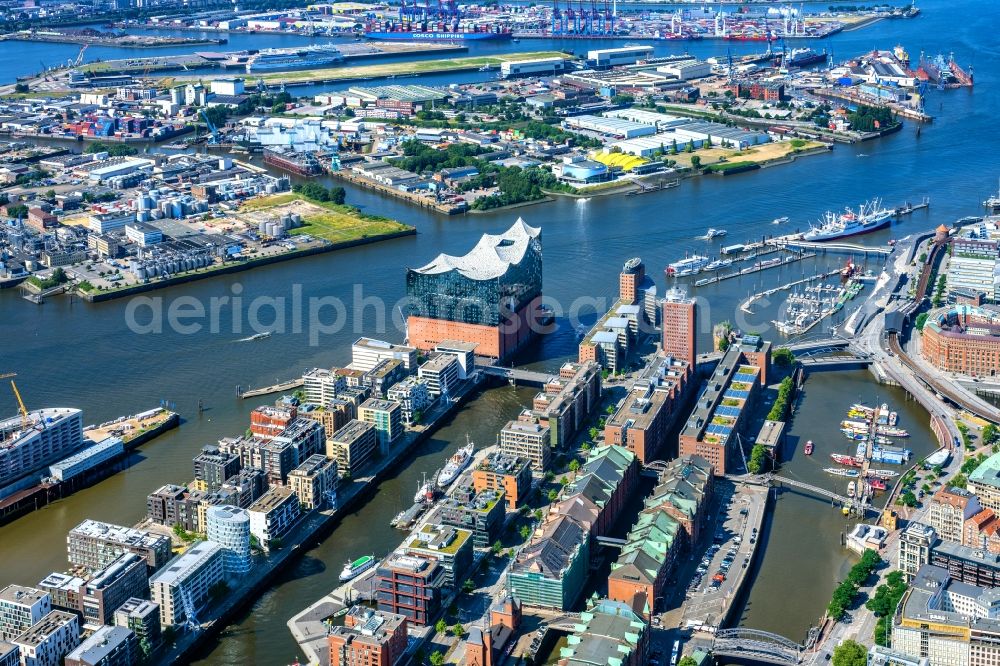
[{"x": 73, "y": 354}]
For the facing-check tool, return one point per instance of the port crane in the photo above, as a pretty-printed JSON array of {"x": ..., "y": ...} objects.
[
  {"x": 211, "y": 126},
  {"x": 25, "y": 421},
  {"x": 79, "y": 56}
]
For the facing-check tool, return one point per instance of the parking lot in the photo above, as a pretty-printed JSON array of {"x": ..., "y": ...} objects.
[{"x": 719, "y": 571}]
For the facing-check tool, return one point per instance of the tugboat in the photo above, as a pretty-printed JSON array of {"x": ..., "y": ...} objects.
[
  {"x": 354, "y": 569},
  {"x": 808, "y": 449}
]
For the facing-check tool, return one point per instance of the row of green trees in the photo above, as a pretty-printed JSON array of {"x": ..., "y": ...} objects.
[
  {"x": 845, "y": 593},
  {"x": 779, "y": 410},
  {"x": 884, "y": 602}
]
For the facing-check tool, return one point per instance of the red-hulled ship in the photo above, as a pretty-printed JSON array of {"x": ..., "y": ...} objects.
[{"x": 850, "y": 461}]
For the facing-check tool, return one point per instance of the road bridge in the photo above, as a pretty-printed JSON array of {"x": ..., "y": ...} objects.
[
  {"x": 518, "y": 376},
  {"x": 801, "y": 348},
  {"x": 834, "y": 362},
  {"x": 757, "y": 645}
]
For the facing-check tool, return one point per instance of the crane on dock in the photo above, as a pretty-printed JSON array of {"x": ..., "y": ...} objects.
[
  {"x": 25, "y": 421},
  {"x": 79, "y": 56},
  {"x": 211, "y": 126}
]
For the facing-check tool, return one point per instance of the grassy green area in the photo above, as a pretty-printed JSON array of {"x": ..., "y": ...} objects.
[
  {"x": 724, "y": 167},
  {"x": 332, "y": 222},
  {"x": 392, "y": 68}
]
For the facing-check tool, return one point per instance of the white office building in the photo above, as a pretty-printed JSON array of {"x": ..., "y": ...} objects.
[
  {"x": 229, "y": 526},
  {"x": 440, "y": 373},
  {"x": 181, "y": 588},
  {"x": 273, "y": 515},
  {"x": 366, "y": 353}
]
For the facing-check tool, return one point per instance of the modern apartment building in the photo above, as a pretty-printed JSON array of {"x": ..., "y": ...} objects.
[
  {"x": 185, "y": 583},
  {"x": 21, "y": 607},
  {"x": 353, "y": 446},
  {"x": 441, "y": 374},
  {"x": 314, "y": 482},
  {"x": 479, "y": 512},
  {"x": 28, "y": 446},
  {"x": 366, "y": 353},
  {"x": 511, "y": 474},
  {"x": 273, "y": 515},
  {"x": 229, "y": 526},
  {"x": 526, "y": 437},
  {"x": 48, "y": 641},
  {"x": 212, "y": 468},
  {"x": 107, "y": 646},
  {"x": 413, "y": 397},
  {"x": 386, "y": 416},
  {"x": 142, "y": 617},
  {"x": 322, "y": 386},
  {"x": 679, "y": 324},
  {"x": 412, "y": 586},
  {"x": 452, "y": 547},
  {"x": 96, "y": 598}
]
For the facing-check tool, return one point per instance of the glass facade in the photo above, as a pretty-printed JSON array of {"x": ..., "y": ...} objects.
[{"x": 453, "y": 296}]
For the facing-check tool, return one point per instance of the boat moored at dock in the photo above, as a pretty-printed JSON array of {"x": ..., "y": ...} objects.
[{"x": 354, "y": 569}]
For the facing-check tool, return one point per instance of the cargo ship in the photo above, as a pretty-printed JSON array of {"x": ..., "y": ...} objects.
[
  {"x": 869, "y": 217},
  {"x": 431, "y": 32},
  {"x": 307, "y": 57},
  {"x": 303, "y": 164},
  {"x": 803, "y": 58}
]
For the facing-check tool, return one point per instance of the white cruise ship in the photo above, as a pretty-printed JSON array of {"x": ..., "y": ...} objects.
[
  {"x": 280, "y": 60},
  {"x": 688, "y": 265},
  {"x": 455, "y": 465},
  {"x": 870, "y": 216}
]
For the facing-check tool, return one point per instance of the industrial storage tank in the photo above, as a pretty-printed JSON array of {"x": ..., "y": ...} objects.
[
  {"x": 262, "y": 226},
  {"x": 296, "y": 220},
  {"x": 140, "y": 273}
]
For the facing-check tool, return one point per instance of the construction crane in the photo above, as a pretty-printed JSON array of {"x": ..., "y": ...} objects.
[
  {"x": 211, "y": 126},
  {"x": 25, "y": 421}
]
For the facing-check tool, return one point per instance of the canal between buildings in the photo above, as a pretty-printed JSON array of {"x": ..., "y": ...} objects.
[{"x": 69, "y": 353}]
